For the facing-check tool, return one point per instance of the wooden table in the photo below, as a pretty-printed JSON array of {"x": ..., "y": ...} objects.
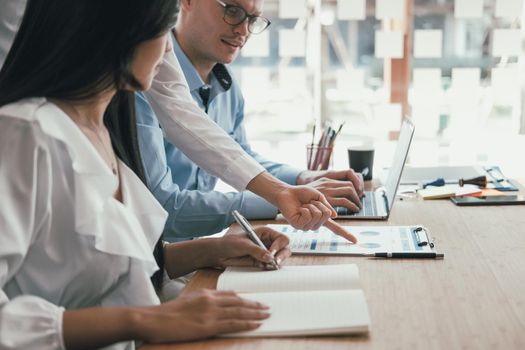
[{"x": 473, "y": 299}]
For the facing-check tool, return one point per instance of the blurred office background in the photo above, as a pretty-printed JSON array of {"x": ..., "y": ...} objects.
[{"x": 455, "y": 67}]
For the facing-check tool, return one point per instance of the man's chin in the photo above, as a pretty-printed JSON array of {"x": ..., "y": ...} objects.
[{"x": 227, "y": 59}]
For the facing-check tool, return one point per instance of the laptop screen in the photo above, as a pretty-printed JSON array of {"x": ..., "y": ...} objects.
[{"x": 398, "y": 162}]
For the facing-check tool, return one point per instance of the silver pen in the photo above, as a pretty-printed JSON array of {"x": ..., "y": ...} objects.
[{"x": 253, "y": 236}]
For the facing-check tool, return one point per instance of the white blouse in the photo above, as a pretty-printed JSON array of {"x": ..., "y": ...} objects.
[{"x": 65, "y": 242}]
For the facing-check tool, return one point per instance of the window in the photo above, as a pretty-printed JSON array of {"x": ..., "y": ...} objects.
[{"x": 338, "y": 61}]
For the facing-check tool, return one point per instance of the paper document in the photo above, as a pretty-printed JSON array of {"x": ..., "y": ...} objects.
[
  {"x": 371, "y": 239},
  {"x": 447, "y": 191}
]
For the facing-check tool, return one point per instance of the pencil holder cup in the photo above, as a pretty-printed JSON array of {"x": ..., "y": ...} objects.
[{"x": 318, "y": 158}]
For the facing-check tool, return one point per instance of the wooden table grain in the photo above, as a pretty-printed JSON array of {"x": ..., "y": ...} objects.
[{"x": 472, "y": 299}]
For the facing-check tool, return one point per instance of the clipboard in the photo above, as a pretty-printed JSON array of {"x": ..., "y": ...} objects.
[
  {"x": 497, "y": 180},
  {"x": 371, "y": 239}
]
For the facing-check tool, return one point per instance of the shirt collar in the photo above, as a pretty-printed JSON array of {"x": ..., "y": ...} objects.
[{"x": 220, "y": 72}]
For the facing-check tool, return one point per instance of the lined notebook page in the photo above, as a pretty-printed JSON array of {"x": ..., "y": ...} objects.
[
  {"x": 311, "y": 313},
  {"x": 290, "y": 278}
]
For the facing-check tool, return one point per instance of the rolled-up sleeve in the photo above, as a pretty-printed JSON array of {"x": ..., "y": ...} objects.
[
  {"x": 26, "y": 321},
  {"x": 188, "y": 128}
]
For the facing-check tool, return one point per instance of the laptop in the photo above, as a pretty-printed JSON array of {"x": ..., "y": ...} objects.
[{"x": 378, "y": 204}]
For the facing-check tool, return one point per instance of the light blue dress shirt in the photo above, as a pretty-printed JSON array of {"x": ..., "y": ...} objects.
[{"x": 184, "y": 189}]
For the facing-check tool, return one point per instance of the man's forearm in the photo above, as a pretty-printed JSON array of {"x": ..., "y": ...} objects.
[{"x": 267, "y": 186}]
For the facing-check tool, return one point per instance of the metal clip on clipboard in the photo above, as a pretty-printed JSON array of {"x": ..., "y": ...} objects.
[
  {"x": 498, "y": 180},
  {"x": 421, "y": 235}
]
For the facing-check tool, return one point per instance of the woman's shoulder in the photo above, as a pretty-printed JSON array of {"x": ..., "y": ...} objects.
[
  {"x": 20, "y": 120},
  {"x": 25, "y": 110},
  {"x": 28, "y": 119},
  {"x": 44, "y": 118}
]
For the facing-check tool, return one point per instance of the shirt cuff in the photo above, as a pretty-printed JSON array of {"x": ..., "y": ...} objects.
[
  {"x": 241, "y": 171},
  {"x": 289, "y": 174},
  {"x": 31, "y": 322},
  {"x": 256, "y": 208},
  {"x": 60, "y": 327}
]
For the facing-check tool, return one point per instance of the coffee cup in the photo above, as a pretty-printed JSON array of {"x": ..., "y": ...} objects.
[{"x": 361, "y": 160}]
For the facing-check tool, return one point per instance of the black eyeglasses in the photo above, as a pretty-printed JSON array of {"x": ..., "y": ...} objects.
[{"x": 235, "y": 15}]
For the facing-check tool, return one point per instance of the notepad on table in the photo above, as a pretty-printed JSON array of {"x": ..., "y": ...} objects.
[
  {"x": 303, "y": 300},
  {"x": 448, "y": 191}
]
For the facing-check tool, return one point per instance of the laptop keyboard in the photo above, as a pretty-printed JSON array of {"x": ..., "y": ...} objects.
[{"x": 369, "y": 207}]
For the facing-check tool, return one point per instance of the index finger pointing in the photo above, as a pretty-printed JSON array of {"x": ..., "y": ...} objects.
[{"x": 340, "y": 230}]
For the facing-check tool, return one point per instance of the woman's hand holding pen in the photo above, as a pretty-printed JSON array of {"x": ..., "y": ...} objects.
[{"x": 236, "y": 249}]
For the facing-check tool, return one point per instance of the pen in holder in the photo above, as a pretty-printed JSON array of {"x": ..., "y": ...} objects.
[{"x": 318, "y": 158}]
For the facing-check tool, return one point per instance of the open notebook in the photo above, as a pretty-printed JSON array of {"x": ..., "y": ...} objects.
[{"x": 303, "y": 300}]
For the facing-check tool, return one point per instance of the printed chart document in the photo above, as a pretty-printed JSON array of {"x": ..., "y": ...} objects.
[
  {"x": 303, "y": 300},
  {"x": 370, "y": 239}
]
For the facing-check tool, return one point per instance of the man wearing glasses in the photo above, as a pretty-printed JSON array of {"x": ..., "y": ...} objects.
[{"x": 208, "y": 35}]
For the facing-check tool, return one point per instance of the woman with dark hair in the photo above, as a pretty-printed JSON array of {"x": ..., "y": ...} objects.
[
  {"x": 206, "y": 144},
  {"x": 77, "y": 225}
]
